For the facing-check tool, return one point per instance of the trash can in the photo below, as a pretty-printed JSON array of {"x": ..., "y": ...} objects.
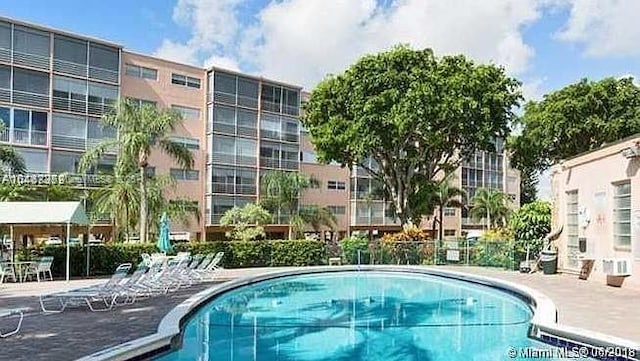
[{"x": 549, "y": 260}]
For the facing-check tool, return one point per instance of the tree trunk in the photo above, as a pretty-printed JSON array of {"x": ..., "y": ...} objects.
[
  {"x": 440, "y": 225},
  {"x": 488, "y": 220},
  {"x": 143, "y": 206}
]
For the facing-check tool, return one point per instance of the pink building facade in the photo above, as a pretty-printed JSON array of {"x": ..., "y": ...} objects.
[{"x": 596, "y": 201}]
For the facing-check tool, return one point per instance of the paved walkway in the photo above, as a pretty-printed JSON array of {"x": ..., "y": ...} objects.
[{"x": 78, "y": 332}]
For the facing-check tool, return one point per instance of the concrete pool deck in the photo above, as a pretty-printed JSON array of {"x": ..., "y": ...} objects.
[{"x": 79, "y": 332}]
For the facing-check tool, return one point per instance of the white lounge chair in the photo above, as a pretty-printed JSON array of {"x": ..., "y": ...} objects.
[
  {"x": 105, "y": 295},
  {"x": 9, "y": 313}
]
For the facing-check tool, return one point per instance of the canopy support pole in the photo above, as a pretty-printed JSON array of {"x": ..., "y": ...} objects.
[
  {"x": 13, "y": 243},
  {"x": 68, "y": 247}
]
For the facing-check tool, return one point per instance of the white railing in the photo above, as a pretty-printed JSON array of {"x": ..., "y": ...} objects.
[
  {"x": 103, "y": 74},
  {"x": 69, "y": 67},
  {"x": 33, "y": 60},
  {"x": 27, "y": 98},
  {"x": 38, "y": 137}
]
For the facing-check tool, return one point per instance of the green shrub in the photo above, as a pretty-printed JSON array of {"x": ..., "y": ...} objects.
[
  {"x": 411, "y": 246},
  {"x": 105, "y": 258},
  {"x": 350, "y": 247},
  {"x": 530, "y": 224},
  {"x": 495, "y": 249}
]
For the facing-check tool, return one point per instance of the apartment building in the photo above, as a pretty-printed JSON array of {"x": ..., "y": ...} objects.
[{"x": 55, "y": 86}]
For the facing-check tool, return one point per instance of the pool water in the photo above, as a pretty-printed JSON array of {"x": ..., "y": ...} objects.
[{"x": 373, "y": 316}]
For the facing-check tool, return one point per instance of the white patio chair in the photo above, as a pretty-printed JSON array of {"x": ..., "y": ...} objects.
[
  {"x": 43, "y": 266},
  {"x": 6, "y": 271},
  {"x": 105, "y": 295},
  {"x": 11, "y": 312}
]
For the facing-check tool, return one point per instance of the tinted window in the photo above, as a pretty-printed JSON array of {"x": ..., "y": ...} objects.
[
  {"x": 30, "y": 41},
  {"x": 5, "y": 35},
  {"x": 5, "y": 77},
  {"x": 103, "y": 57},
  {"x": 30, "y": 81},
  {"x": 69, "y": 49}
]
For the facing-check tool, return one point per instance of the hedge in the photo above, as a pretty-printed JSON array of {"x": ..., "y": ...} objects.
[{"x": 105, "y": 258}]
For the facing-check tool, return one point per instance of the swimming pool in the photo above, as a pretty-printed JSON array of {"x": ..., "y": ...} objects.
[{"x": 360, "y": 316}]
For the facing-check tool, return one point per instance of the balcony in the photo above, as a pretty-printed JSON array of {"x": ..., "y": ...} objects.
[
  {"x": 247, "y": 189},
  {"x": 289, "y": 164},
  {"x": 5, "y": 95},
  {"x": 4, "y": 136},
  {"x": 32, "y": 60},
  {"x": 103, "y": 74},
  {"x": 27, "y": 98},
  {"x": 63, "y": 66},
  {"x": 99, "y": 108},
  {"x": 5, "y": 55},
  {"x": 269, "y": 162},
  {"x": 70, "y": 105}
]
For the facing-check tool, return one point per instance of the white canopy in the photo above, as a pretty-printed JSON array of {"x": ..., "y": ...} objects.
[
  {"x": 13, "y": 213},
  {"x": 43, "y": 213}
]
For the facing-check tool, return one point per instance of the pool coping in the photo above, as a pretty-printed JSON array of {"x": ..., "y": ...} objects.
[{"x": 544, "y": 326}]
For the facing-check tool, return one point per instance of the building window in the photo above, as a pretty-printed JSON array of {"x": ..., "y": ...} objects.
[
  {"x": 338, "y": 210},
  {"x": 572, "y": 228},
  {"x": 622, "y": 214},
  {"x": 308, "y": 157},
  {"x": 142, "y": 102},
  {"x": 449, "y": 232},
  {"x": 191, "y": 143},
  {"x": 190, "y": 82},
  {"x": 141, "y": 72},
  {"x": 271, "y": 98},
  {"x": 449, "y": 212},
  {"x": 187, "y": 113},
  {"x": 36, "y": 161},
  {"x": 336, "y": 185},
  {"x": 184, "y": 174}
]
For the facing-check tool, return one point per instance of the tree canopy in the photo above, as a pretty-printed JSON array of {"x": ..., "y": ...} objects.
[
  {"x": 575, "y": 119},
  {"x": 414, "y": 114}
]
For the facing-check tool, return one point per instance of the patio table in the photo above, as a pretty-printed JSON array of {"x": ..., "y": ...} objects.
[{"x": 20, "y": 267}]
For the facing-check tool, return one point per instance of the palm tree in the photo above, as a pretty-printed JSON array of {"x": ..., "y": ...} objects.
[
  {"x": 177, "y": 209},
  {"x": 491, "y": 205},
  {"x": 115, "y": 199},
  {"x": 140, "y": 131},
  {"x": 9, "y": 158},
  {"x": 280, "y": 191},
  {"x": 446, "y": 195},
  {"x": 317, "y": 217}
]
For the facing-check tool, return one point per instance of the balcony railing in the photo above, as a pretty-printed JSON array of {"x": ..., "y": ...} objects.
[
  {"x": 103, "y": 74},
  {"x": 247, "y": 131},
  {"x": 33, "y": 60},
  {"x": 69, "y": 67},
  {"x": 21, "y": 136},
  {"x": 5, "y": 55},
  {"x": 99, "y": 108},
  {"x": 4, "y": 136},
  {"x": 5, "y": 95},
  {"x": 70, "y": 105},
  {"x": 269, "y": 162},
  {"x": 27, "y": 98}
]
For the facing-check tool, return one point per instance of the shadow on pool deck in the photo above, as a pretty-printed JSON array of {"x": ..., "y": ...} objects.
[{"x": 78, "y": 332}]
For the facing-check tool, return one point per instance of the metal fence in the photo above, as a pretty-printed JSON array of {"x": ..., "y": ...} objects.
[{"x": 500, "y": 253}]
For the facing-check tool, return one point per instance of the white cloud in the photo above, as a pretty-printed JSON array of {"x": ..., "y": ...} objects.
[
  {"x": 300, "y": 41},
  {"x": 181, "y": 53},
  {"x": 604, "y": 27},
  {"x": 222, "y": 62},
  {"x": 213, "y": 25},
  {"x": 533, "y": 89}
]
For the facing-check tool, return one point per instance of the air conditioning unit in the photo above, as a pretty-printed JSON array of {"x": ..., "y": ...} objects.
[
  {"x": 631, "y": 152},
  {"x": 616, "y": 267}
]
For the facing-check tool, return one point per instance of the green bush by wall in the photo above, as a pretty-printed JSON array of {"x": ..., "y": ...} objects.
[{"x": 105, "y": 258}]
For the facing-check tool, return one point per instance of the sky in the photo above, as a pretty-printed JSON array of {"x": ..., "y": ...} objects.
[{"x": 546, "y": 44}]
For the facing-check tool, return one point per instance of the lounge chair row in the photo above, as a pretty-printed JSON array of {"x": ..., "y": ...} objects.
[{"x": 152, "y": 277}]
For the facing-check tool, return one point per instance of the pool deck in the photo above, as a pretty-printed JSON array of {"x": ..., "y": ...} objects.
[{"x": 79, "y": 332}]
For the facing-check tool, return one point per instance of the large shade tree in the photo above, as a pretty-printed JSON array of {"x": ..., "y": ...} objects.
[
  {"x": 141, "y": 130},
  {"x": 415, "y": 115},
  {"x": 575, "y": 119}
]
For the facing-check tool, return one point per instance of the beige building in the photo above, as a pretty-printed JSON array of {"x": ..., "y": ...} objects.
[
  {"x": 55, "y": 86},
  {"x": 596, "y": 199}
]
